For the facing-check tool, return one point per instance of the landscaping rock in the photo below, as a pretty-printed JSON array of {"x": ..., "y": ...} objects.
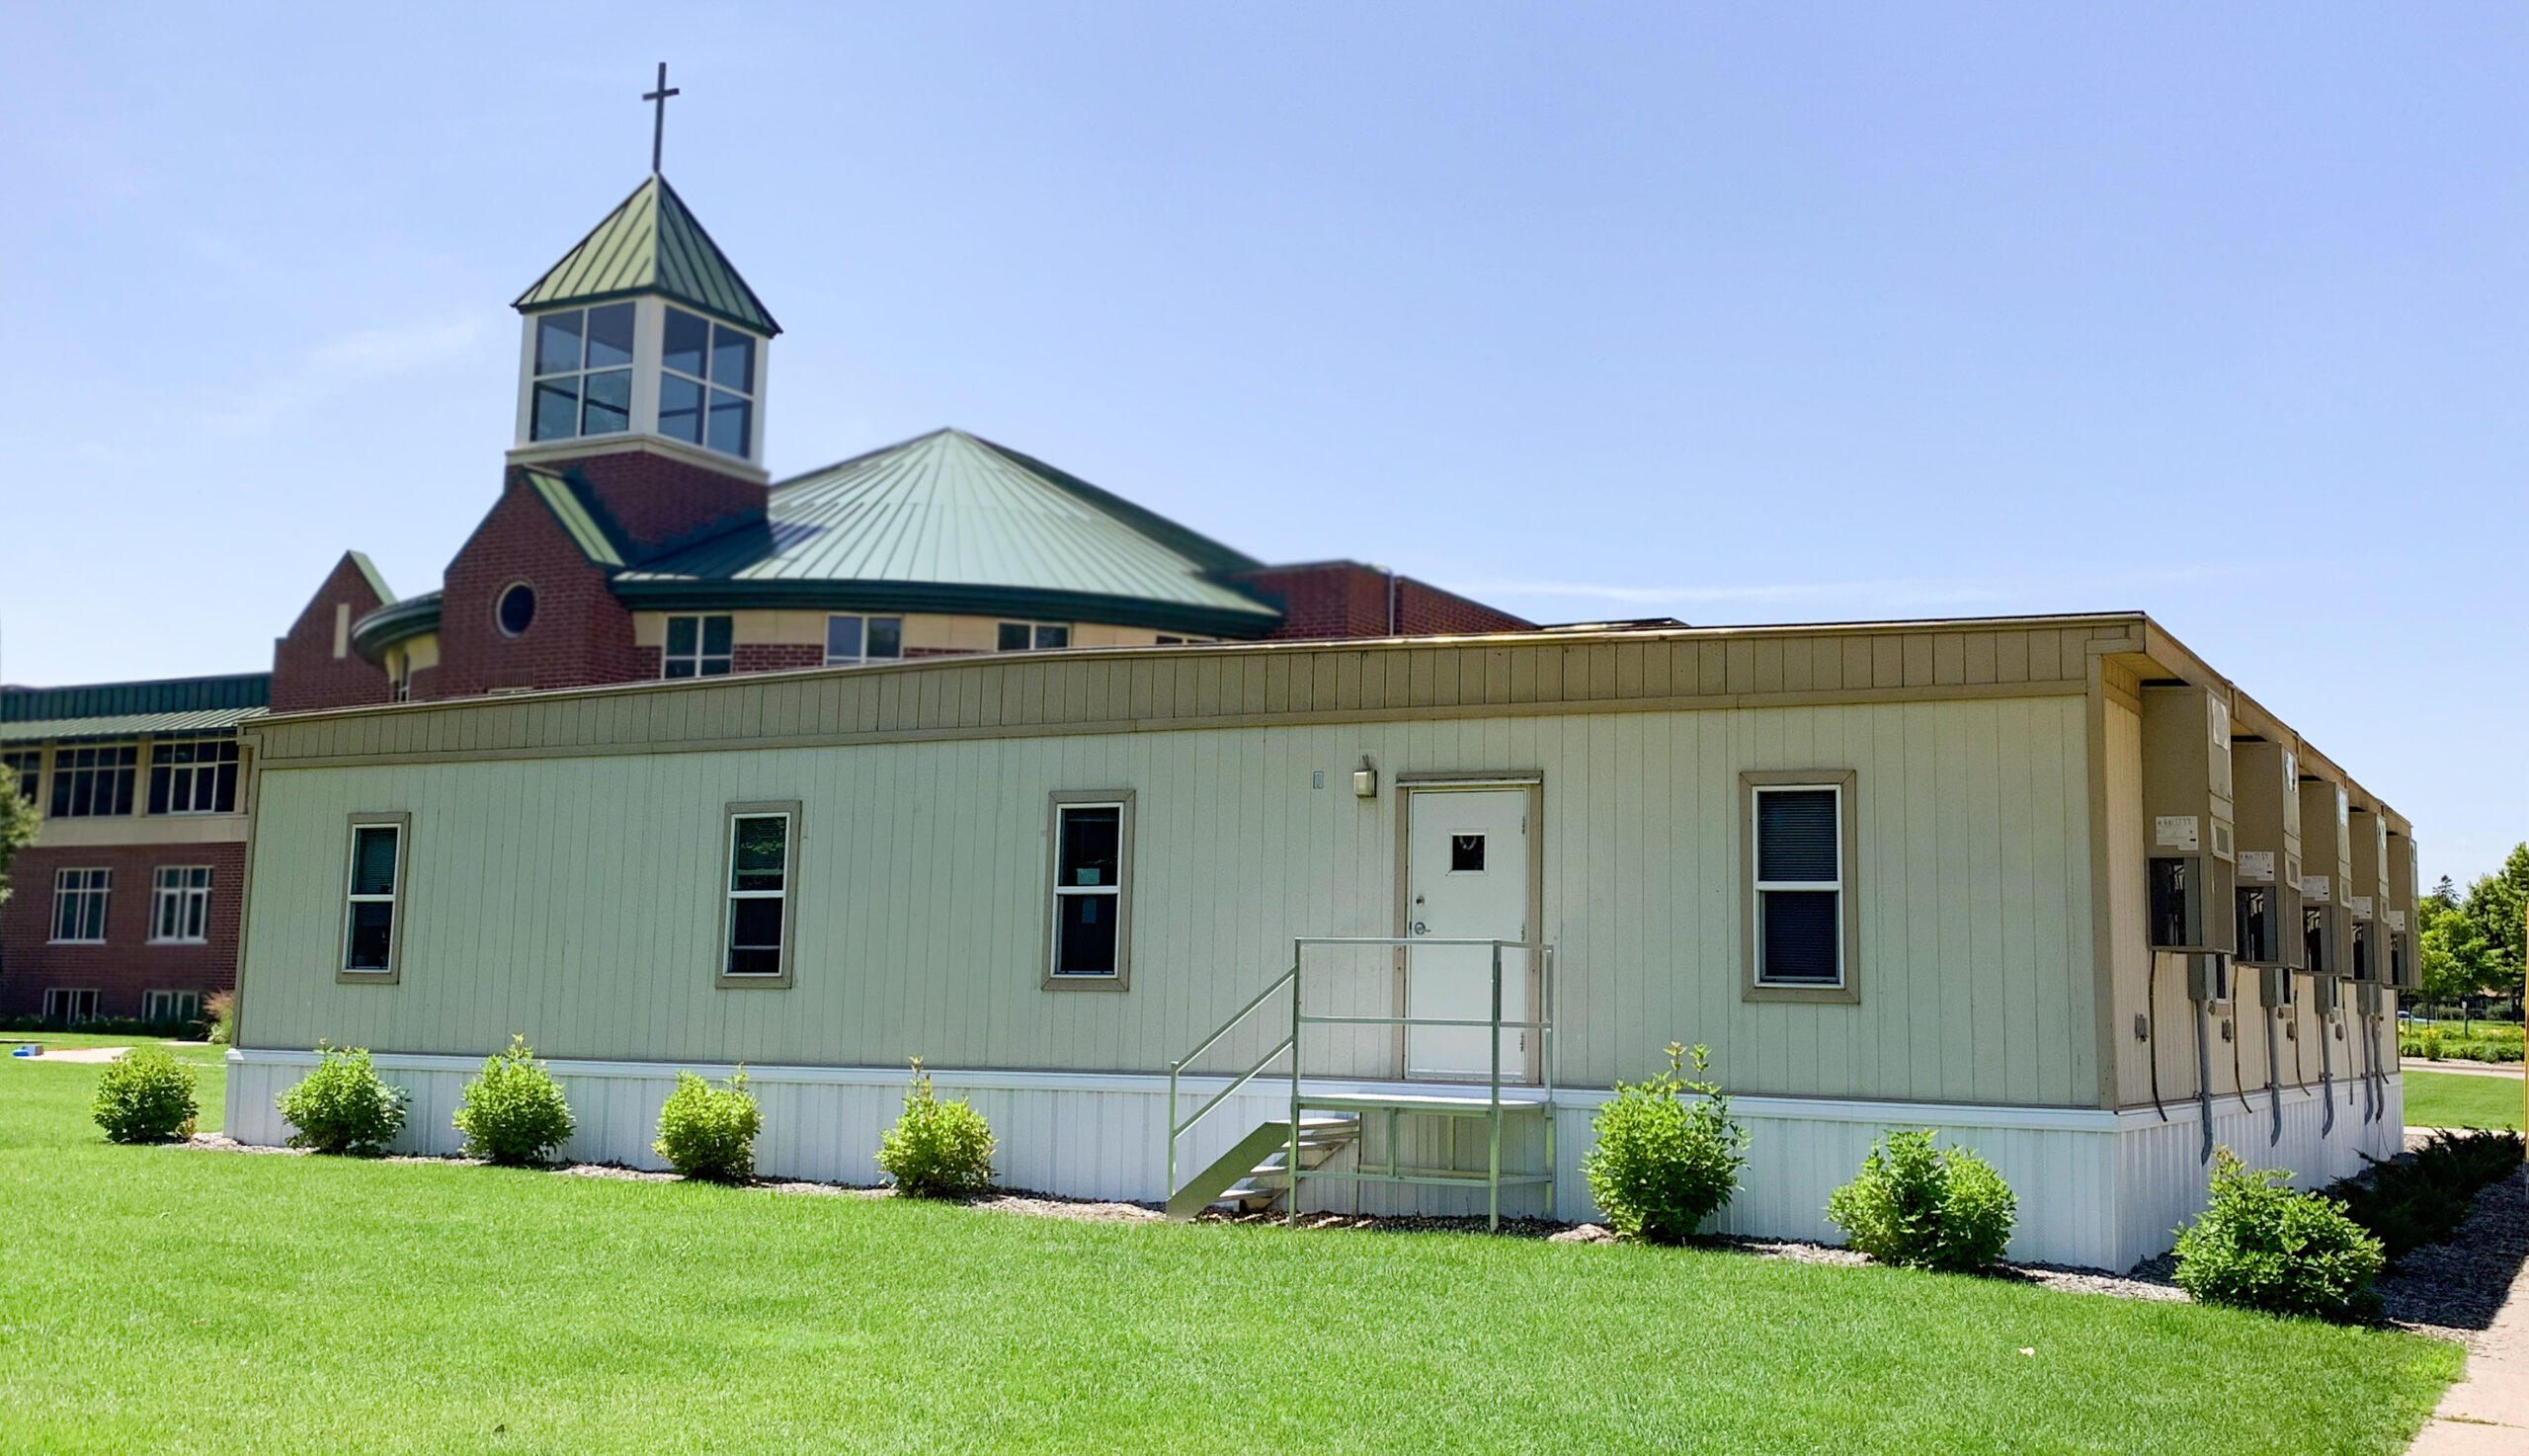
[{"x": 1583, "y": 1234}]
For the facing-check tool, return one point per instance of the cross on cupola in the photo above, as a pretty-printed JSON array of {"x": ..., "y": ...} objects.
[
  {"x": 643, "y": 338},
  {"x": 659, "y": 120}
]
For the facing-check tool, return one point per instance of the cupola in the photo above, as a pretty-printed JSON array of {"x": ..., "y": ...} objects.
[{"x": 644, "y": 338}]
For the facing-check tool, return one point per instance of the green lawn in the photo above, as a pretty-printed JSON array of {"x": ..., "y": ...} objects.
[
  {"x": 166, "y": 1300},
  {"x": 2457, "y": 1099}
]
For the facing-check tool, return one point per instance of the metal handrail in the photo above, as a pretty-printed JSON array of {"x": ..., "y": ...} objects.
[
  {"x": 1177, "y": 1129},
  {"x": 1543, "y": 1025},
  {"x": 1239, "y": 1016}
]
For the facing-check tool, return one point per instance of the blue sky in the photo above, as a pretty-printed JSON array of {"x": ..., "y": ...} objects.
[{"x": 1735, "y": 313}]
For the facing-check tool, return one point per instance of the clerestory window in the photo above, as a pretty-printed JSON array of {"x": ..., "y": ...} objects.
[
  {"x": 706, "y": 384},
  {"x": 582, "y": 372},
  {"x": 699, "y": 647}
]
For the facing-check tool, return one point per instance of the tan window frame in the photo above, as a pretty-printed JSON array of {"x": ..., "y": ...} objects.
[
  {"x": 396, "y": 898},
  {"x": 1121, "y": 893},
  {"x": 791, "y": 811},
  {"x": 1847, "y": 990}
]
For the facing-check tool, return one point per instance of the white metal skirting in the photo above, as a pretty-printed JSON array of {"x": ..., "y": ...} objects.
[{"x": 2095, "y": 1188}]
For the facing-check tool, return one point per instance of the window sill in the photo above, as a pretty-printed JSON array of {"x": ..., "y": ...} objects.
[
  {"x": 368, "y": 978},
  {"x": 75, "y": 943},
  {"x": 1813, "y": 995},
  {"x": 1085, "y": 983},
  {"x": 190, "y": 941},
  {"x": 726, "y": 982}
]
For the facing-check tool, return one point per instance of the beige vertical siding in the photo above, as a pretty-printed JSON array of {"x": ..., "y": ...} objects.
[{"x": 572, "y": 896}]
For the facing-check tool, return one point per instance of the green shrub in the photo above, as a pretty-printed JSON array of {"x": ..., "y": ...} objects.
[
  {"x": 2259, "y": 1245},
  {"x": 1925, "y": 1207},
  {"x": 2423, "y": 1199},
  {"x": 342, "y": 1106},
  {"x": 145, "y": 1095},
  {"x": 708, "y": 1132},
  {"x": 1660, "y": 1165},
  {"x": 937, "y": 1149},
  {"x": 219, "y": 1008},
  {"x": 515, "y": 1111}
]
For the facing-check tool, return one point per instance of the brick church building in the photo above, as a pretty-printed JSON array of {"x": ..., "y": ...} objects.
[{"x": 635, "y": 534}]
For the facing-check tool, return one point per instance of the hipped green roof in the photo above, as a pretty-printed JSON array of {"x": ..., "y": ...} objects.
[
  {"x": 651, "y": 244},
  {"x": 949, "y": 521}
]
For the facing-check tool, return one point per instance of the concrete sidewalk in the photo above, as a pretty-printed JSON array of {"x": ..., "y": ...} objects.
[{"x": 2487, "y": 1414}]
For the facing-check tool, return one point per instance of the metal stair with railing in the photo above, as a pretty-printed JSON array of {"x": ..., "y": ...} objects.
[{"x": 1275, "y": 1157}]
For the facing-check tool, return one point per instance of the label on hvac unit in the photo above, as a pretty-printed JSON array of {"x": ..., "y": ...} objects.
[
  {"x": 2360, "y": 905},
  {"x": 2174, "y": 831},
  {"x": 2314, "y": 889},
  {"x": 2256, "y": 866},
  {"x": 2397, "y": 919}
]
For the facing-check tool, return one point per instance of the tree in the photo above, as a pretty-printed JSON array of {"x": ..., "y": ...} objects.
[
  {"x": 2472, "y": 944},
  {"x": 17, "y": 829},
  {"x": 2494, "y": 906}
]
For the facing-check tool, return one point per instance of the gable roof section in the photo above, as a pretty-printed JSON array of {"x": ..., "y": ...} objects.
[
  {"x": 651, "y": 244},
  {"x": 949, "y": 521}
]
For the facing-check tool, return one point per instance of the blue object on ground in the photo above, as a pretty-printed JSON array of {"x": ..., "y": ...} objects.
[{"x": 28, "y": 1050}]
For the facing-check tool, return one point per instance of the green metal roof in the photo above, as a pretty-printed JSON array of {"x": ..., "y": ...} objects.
[
  {"x": 651, "y": 244},
  {"x": 122, "y": 709},
  {"x": 953, "y": 523},
  {"x": 397, "y": 622},
  {"x": 123, "y": 700},
  {"x": 574, "y": 516},
  {"x": 207, "y": 722}
]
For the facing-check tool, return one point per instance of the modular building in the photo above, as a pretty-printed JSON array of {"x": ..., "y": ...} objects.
[{"x": 2050, "y": 885}]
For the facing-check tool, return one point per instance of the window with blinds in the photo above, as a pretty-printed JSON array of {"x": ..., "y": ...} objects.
[{"x": 1799, "y": 924}]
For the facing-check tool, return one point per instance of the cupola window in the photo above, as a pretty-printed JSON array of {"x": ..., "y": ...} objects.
[
  {"x": 582, "y": 372},
  {"x": 706, "y": 384}
]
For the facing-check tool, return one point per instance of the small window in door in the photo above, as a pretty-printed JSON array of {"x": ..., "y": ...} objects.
[{"x": 1466, "y": 853}]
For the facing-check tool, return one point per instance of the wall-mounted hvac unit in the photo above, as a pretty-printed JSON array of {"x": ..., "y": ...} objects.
[
  {"x": 2367, "y": 894},
  {"x": 2189, "y": 828},
  {"x": 2406, "y": 971},
  {"x": 2266, "y": 898},
  {"x": 2327, "y": 868}
]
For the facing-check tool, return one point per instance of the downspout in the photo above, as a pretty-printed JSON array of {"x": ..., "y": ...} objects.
[
  {"x": 2327, "y": 1066},
  {"x": 2204, "y": 1082},
  {"x": 2273, "y": 1075}
]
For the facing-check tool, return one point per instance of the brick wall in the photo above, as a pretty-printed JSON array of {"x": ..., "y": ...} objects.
[
  {"x": 126, "y": 965},
  {"x": 581, "y": 634},
  {"x": 770, "y": 657},
  {"x": 305, "y": 671},
  {"x": 1344, "y": 598},
  {"x": 660, "y": 502}
]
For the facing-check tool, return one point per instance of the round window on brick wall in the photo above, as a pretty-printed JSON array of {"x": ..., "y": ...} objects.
[{"x": 516, "y": 609}]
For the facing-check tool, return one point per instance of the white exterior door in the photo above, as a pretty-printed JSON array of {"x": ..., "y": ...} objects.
[{"x": 1466, "y": 879}]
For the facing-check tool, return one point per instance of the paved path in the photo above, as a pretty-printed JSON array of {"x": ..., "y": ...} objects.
[
  {"x": 2487, "y": 1414},
  {"x": 2462, "y": 1069}
]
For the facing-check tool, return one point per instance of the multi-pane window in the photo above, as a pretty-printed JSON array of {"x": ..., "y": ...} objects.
[
  {"x": 858, "y": 639},
  {"x": 368, "y": 913},
  {"x": 1091, "y": 863},
  {"x": 759, "y": 892},
  {"x": 198, "y": 776},
  {"x": 707, "y": 383},
  {"x": 97, "y": 780},
  {"x": 180, "y": 904},
  {"x": 699, "y": 647},
  {"x": 69, "y": 1006},
  {"x": 163, "y": 1006},
  {"x": 582, "y": 372},
  {"x": 23, "y": 770},
  {"x": 79, "y": 905},
  {"x": 1800, "y": 930},
  {"x": 1023, "y": 636}
]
